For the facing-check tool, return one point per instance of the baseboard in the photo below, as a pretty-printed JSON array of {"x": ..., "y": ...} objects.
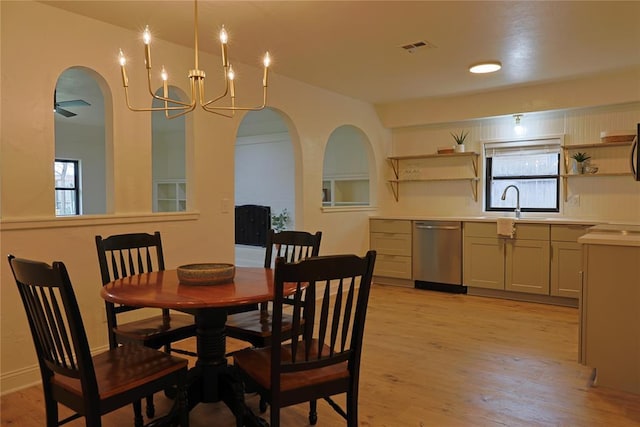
[
  {"x": 28, "y": 376},
  {"x": 521, "y": 296},
  {"x": 406, "y": 283},
  {"x": 441, "y": 287}
]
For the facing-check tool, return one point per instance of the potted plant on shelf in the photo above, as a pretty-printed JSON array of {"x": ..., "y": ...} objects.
[
  {"x": 459, "y": 138},
  {"x": 581, "y": 161}
]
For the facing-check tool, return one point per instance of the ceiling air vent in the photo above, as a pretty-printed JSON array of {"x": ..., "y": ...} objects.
[{"x": 411, "y": 47}]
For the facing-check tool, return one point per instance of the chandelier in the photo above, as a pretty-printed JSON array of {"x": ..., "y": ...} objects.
[{"x": 175, "y": 107}]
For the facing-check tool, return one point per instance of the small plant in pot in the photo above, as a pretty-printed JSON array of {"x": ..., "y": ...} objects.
[
  {"x": 581, "y": 160},
  {"x": 280, "y": 221},
  {"x": 459, "y": 138}
]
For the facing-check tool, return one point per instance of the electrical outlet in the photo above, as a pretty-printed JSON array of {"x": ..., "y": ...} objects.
[{"x": 574, "y": 200}]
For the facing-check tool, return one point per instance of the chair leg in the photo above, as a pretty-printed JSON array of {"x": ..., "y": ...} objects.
[
  {"x": 183, "y": 406},
  {"x": 51, "y": 407},
  {"x": 352, "y": 409},
  {"x": 313, "y": 412},
  {"x": 151, "y": 409},
  {"x": 138, "y": 421},
  {"x": 275, "y": 416},
  {"x": 263, "y": 405}
]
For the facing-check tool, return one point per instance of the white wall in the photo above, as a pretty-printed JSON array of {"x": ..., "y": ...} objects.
[
  {"x": 33, "y": 33},
  {"x": 85, "y": 143},
  {"x": 265, "y": 174}
]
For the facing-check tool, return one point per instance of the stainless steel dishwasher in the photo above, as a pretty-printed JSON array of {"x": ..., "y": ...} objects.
[{"x": 437, "y": 255}]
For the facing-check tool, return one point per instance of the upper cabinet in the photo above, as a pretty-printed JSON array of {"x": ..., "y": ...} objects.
[{"x": 434, "y": 167}]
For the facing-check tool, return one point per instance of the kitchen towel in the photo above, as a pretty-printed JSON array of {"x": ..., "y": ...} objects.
[{"x": 506, "y": 227}]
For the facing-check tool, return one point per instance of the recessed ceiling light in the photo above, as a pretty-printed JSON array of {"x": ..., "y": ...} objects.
[{"x": 485, "y": 67}]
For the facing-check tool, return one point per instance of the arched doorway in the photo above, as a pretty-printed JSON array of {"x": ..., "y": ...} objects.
[{"x": 264, "y": 173}]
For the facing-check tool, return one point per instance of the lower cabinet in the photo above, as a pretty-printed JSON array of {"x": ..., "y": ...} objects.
[
  {"x": 527, "y": 263},
  {"x": 566, "y": 260},
  {"x": 520, "y": 264},
  {"x": 483, "y": 260},
  {"x": 392, "y": 241}
]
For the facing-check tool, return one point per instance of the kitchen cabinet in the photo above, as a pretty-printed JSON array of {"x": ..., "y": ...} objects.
[
  {"x": 566, "y": 260},
  {"x": 419, "y": 168},
  {"x": 609, "y": 315},
  {"x": 520, "y": 264},
  {"x": 391, "y": 239}
]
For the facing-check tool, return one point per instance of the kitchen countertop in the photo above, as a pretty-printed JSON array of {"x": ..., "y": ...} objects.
[
  {"x": 525, "y": 219},
  {"x": 612, "y": 234}
]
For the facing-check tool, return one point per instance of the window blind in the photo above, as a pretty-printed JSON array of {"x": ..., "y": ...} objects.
[{"x": 520, "y": 148}]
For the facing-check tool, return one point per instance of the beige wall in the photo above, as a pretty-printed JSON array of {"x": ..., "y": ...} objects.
[
  {"x": 38, "y": 43},
  {"x": 601, "y": 198}
]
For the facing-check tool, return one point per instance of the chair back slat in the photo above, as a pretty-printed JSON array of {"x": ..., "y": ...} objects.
[
  {"x": 55, "y": 322},
  {"x": 291, "y": 245},
  {"x": 335, "y": 336},
  {"x": 123, "y": 255}
]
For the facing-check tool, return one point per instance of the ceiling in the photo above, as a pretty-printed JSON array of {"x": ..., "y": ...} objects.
[{"x": 354, "y": 47}]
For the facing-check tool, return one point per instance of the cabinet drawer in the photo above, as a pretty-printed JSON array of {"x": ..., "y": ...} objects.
[
  {"x": 480, "y": 229},
  {"x": 523, "y": 230},
  {"x": 568, "y": 233},
  {"x": 532, "y": 231},
  {"x": 393, "y": 266},
  {"x": 391, "y": 243},
  {"x": 390, "y": 226}
]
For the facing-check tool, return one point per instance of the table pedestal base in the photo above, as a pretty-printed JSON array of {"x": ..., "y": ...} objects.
[{"x": 212, "y": 379}]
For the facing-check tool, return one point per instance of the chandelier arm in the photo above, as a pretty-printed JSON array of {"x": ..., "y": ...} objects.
[
  {"x": 207, "y": 103},
  {"x": 219, "y": 113},
  {"x": 186, "y": 111},
  {"x": 234, "y": 108},
  {"x": 137, "y": 109},
  {"x": 162, "y": 98}
]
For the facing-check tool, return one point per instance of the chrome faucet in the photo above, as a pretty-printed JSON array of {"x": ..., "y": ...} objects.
[{"x": 504, "y": 196}]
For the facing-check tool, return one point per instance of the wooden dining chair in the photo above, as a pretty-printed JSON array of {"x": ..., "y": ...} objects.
[
  {"x": 323, "y": 358},
  {"x": 123, "y": 255},
  {"x": 255, "y": 326},
  {"x": 90, "y": 386}
]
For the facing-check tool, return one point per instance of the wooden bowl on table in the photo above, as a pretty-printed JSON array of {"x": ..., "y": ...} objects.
[{"x": 206, "y": 273}]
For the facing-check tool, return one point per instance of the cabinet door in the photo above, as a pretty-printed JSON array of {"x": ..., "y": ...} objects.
[
  {"x": 566, "y": 264},
  {"x": 484, "y": 262},
  {"x": 393, "y": 266},
  {"x": 527, "y": 266}
]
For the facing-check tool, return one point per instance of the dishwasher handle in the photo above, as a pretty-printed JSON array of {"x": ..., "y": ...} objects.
[{"x": 437, "y": 227}]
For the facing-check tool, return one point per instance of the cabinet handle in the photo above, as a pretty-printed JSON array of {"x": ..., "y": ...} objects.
[{"x": 437, "y": 227}]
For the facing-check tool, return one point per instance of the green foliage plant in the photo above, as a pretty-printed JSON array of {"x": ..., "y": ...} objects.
[{"x": 459, "y": 138}]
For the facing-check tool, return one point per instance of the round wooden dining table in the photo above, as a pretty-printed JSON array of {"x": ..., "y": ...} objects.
[{"x": 210, "y": 380}]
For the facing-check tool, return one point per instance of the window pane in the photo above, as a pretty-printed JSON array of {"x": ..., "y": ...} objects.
[
  {"x": 65, "y": 175},
  {"x": 525, "y": 165},
  {"x": 534, "y": 193},
  {"x": 532, "y": 166},
  {"x": 65, "y": 202}
]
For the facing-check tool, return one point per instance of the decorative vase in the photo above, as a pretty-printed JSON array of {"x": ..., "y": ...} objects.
[
  {"x": 581, "y": 166},
  {"x": 458, "y": 148}
]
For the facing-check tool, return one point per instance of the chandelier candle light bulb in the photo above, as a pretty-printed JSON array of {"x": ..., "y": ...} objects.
[{"x": 196, "y": 81}]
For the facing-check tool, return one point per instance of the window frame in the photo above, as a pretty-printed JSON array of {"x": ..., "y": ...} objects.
[
  {"x": 533, "y": 144},
  {"x": 75, "y": 188}
]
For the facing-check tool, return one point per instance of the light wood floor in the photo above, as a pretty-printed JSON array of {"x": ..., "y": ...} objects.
[{"x": 437, "y": 359}]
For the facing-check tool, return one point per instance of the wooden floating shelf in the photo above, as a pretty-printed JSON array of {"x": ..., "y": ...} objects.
[{"x": 395, "y": 165}]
